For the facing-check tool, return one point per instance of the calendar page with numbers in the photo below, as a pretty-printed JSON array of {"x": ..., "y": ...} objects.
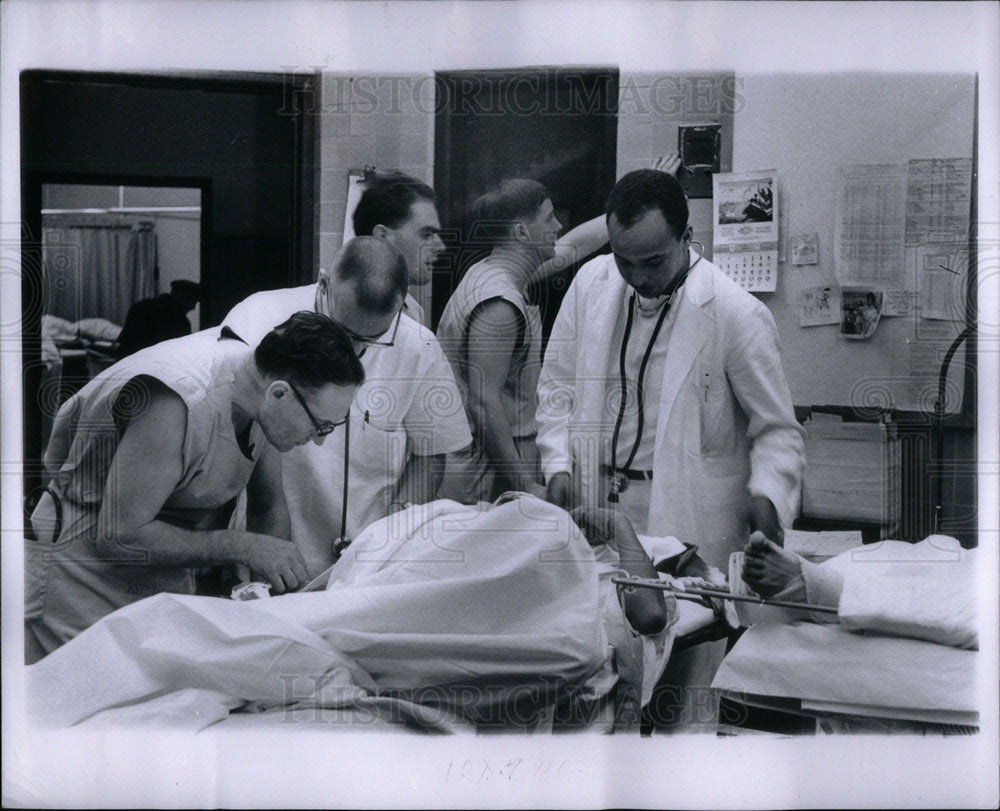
[{"x": 745, "y": 217}]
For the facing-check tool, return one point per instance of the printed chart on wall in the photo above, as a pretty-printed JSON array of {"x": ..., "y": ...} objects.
[
  {"x": 901, "y": 249},
  {"x": 745, "y": 217}
]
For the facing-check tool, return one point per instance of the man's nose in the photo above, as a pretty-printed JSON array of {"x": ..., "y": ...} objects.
[{"x": 317, "y": 439}]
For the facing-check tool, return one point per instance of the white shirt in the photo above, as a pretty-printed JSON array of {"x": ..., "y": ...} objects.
[{"x": 409, "y": 403}]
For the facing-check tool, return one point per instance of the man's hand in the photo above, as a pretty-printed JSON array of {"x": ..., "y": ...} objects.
[
  {"x": 668, "y": 163},
  {"x": 764, "y": 519},
  {"x": 596, "y": 523},
  {"x": 276, "y": 562},
  {"x": 605, "y": 525},
  {"x": 537, "y": 490},
  {"x": 560, "y": 490}
]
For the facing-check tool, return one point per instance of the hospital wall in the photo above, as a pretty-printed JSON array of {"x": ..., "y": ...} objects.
[
  {"x": 800, "y": 125},
  {"x": 387, "y": 120},
  {"x": 383, "y": 120},
  {"x": 805, "y": 127},
  {"x": 651, "y": 108}
]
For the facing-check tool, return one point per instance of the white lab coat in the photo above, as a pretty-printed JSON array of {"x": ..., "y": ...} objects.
[{"x": 725, "y": 430}]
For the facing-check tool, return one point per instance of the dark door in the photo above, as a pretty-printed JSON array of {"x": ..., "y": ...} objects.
[
  {"x": 556, "y": 126},
  {"x": 237, "y": 138}
]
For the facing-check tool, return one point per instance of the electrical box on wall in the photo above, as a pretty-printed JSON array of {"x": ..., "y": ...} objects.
[{"x": 700, "y": 148}]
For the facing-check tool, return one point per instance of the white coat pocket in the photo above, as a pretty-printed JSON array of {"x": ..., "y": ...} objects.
[
  {"x": 378, "y": 451},
  {"x": 717, "y": 422}
]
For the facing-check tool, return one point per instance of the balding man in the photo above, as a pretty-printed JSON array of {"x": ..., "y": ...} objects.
[{"x": 404, "y": 418}]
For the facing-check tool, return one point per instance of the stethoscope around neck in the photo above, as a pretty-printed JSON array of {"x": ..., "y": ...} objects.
[
  {"x": 341, "y": 542},
  {"x": 619, "y": 478}
]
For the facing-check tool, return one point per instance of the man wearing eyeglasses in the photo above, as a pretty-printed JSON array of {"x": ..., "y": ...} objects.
[
  {"x": 146, "y": 462},
  {"x": 405, "y": 417}
]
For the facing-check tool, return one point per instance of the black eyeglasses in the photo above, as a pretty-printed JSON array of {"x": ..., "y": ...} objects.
[
  {"x": 322, "y": 428},
  {"x": 364, "y": 339}
]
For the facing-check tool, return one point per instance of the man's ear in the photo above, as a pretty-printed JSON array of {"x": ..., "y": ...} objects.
[
  {"x": 520, "y": 232},
  {"x": 688, "y": 233},
  {"x": 382, "y": 231},
  {"x": 276, "y": 389}
]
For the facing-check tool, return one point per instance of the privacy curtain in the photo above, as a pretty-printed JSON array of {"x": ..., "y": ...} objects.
[{"x": 97, "y": 266}]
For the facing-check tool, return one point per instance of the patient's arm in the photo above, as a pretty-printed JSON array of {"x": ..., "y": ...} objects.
[{"x": 645, "y": 608}]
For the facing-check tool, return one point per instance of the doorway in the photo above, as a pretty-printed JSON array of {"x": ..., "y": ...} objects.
[
  {"x": 233, "y": 139},
  {"x": 557, "y": 126},
  {"x": 104, "y": 249}
]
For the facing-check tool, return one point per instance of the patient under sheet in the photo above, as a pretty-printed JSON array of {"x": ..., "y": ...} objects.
[{"x": 437, "y": 618}]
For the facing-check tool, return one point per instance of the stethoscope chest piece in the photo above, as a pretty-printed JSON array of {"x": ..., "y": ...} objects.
[
  {"x": 339, "y": 546},
  {"x": 619, "y": 484}
]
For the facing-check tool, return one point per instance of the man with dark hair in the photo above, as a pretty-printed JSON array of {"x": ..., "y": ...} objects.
[
  {"x": 400, "y": 209},
  {"x": 491, "y": 332},
  {"x": 159, "y": 319},
  {"x": 662, "y": 392},
  {"x": 405, "y": 417},
  {"x": 148, "y": 458}
]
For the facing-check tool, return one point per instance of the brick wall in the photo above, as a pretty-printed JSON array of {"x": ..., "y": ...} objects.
[{"x": 386, "y": 120}]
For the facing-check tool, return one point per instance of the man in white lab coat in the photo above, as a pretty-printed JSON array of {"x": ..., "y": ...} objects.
[
  {"x": 704, "y": 445},
  {"x": 405, "y": 417}
]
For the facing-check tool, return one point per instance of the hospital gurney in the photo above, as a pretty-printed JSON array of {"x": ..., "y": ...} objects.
[
  {"x": 842, "y": 681},
  {"x": 901, "y": 658},
  {"x": 439, "y": 618},
  {"x": 897, "y": 659}
]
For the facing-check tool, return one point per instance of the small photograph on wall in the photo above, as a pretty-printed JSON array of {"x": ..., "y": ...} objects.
[
  {"x": 860, "y": 311},
  {"x": 746, "y": 198}
]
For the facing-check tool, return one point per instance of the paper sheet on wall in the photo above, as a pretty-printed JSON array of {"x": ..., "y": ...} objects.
[
  {"x": 938, "y": 196},
  {"x": 819, "y": 306},
  {"x": 899, "y": 302},
  {"x": 942, "y": 281},
  {"x": 745, "y": 214},
  {"x": 869, "y": 228},
  {"x": 805, "y": 249}
]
